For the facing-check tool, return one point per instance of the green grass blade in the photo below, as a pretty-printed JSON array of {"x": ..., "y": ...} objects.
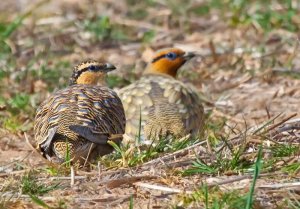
[
  {"x": 38, "y": 201},
  {"x": 140, "y": 126},
  {"x": 131, "y": 202},
  {"x": 12, "y": 27},
  {"x": 119, "y": 150},
  {"x": 206, "y": 196},
  {"x": 115, "y": 146},
  {"x": 256, "y": 173},
  {"x": 293, "y": 202},
  {"x": 200, "y": 167}
]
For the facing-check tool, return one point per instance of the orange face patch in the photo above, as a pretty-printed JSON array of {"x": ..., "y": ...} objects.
[
  {"x": 89, "y": 78},
  {"x": 161, "y": 64}
]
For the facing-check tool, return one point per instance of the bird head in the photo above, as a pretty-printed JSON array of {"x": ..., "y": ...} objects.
[
  {"x": 168, "y": 61},
  {"x": 90, "y": 72}
]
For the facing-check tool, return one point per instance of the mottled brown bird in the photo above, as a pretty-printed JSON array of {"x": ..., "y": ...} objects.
[
  {"x": 166, "y": 106},
  {"x": 81, "y": 117}
]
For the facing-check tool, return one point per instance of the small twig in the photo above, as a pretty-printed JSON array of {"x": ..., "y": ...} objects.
[
  {"x": 288, "y": 128},
  {"x": 14, "y": 172},
  {"x": 230, "y": 180},
  {"x": 172, "y": 155},
  {"x": 33, "y": 149},
  {"x": 49, "y": 198},
  {"x": 285, "y": 70},
  {"x": 213, "y": 51},
  {"x": 99, "y": 170},
  {"x": 29, "y": 144},
  {"x": 239, "y": 178},
  {"x": 281, "y": 122},
  {"x": 289, "y": 125},
  {"x": 161, "y": 188},
  {"x": 72, "y": 176},
  {"x": 139, "y": 24},
  {"x": 268, "y": 112},
  {"x": 295, "y": 120},
  {"x": 106, "y": 172},
  {"x": 104, "y": 198},
  {"x": 127, "y": 180},
  {"x": 281, "y": 185},
  {"x": 265, "y": 124},
  {"x": 87, "y": 157},
  {"x": 65, "y": 178}
]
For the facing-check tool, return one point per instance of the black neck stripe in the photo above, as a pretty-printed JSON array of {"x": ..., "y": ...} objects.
[{"x": 76, "y": 75}]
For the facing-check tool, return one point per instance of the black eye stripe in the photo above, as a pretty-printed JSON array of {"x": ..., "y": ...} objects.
[
  {"x": 93, "y": 67},
  {"x": 160, "y": 57},
  {"x": 90, "y": 66},
  {"x": 76, "y": 74}
]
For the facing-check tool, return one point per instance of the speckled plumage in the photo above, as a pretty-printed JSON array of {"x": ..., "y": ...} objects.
[
  {"x": 79, "y": 115},
  {"x": 165, "y": 105}
]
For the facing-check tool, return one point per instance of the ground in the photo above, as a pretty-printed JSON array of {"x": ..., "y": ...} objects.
[{"x": 247, "y": 74}]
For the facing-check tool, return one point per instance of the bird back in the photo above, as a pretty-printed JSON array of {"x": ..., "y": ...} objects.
[
  {"x": 165, "y": 105},
  {"x": 96, "y": 107}
]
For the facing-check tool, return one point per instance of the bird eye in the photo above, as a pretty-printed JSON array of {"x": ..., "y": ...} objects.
[
  {"x": 171, "y": 55},
  {"x": 92, "y": 67}
]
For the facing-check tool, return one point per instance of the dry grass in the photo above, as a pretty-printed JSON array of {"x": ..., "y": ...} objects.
[{"x": 248, "y": 76}]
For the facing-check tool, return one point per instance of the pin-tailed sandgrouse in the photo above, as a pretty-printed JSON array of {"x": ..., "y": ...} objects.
[
  {"x": 80, "y": 118},
  {"x": 165, "y": 105}
]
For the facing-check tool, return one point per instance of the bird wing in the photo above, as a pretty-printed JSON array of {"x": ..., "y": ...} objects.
[
  {"x": 178, "y": 108},
  {"x": 189, "y": 105},
  {"x": 90, "y": 134}
]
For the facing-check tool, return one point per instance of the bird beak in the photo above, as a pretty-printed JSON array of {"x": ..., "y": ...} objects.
[
  {"x": 188, "y": 55},
  {"x": 109, "y": 67}
]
